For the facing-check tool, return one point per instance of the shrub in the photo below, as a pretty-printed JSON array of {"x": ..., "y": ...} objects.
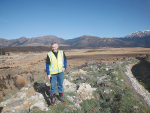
[{"x": 20, "y": 82}]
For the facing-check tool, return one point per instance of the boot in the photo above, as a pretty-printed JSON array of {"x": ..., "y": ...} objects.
[
  {"x": 52, "y": 96},
  {"x": 61, "y": 98}
]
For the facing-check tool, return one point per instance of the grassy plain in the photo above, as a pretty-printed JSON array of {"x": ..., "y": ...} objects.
[
  {"x": 30, "y": 65},
  {"x": 31, "y": 62}
]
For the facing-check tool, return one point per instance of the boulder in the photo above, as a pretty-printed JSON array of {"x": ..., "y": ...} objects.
[
  {"x": 68, "y": 86},
  {"x": 85, "y": 91}
]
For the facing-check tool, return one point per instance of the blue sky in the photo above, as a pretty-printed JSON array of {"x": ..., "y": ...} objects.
[{"x": 69, "y": 19}]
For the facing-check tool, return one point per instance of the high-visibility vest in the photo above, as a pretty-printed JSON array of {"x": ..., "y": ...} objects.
[{"x": 56, "y": 64}]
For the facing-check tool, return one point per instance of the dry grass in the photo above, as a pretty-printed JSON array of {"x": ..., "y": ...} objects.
[
  {"x": 75, "y": 57},
  {"x": 21, "y": 81}
]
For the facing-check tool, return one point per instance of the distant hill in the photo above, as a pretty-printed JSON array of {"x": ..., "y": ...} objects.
[
  {"x": 92, "y": 41},
  {"x": 35, "y": 41},
  {"x": 141, "y": 38},
  {"x": 136, "y": 39}
]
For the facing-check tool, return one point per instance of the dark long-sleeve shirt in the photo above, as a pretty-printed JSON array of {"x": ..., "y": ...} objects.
[{"x": 48, "y": 62}]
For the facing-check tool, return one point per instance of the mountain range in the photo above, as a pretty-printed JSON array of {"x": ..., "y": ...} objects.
[{"x": 136, "y": 39}]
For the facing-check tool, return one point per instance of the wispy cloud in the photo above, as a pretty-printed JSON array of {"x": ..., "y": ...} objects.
[{"x": 3, "y": 20}]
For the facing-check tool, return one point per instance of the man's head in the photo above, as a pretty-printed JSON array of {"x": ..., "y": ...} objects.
[{"x": 55, "y": 47}]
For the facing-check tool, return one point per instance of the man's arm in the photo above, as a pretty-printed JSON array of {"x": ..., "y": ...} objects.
[
  {"x": 65, "y": 62},
  {"x": 47, "y": 67}
]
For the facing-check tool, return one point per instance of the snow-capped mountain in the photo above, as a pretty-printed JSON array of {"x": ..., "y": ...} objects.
[
  {"x": 141, "y": 38},
  {"x": 138, "y": 34}
]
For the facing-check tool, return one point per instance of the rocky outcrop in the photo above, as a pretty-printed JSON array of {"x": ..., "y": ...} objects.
[
  {"x": 25, "y": 99},
  {"x": 28, "y": 97},
  {"x": 68, "y": 86},
  {"x": 85, "y": 91}
]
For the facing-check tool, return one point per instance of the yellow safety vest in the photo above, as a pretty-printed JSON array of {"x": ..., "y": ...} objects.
[{"x": 56, "y": 64}]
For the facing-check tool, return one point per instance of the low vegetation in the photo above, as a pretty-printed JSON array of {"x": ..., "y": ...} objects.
[{"x": 113, "y": 94}]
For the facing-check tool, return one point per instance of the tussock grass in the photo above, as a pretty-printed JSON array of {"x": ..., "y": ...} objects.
[{"x": 21, "y": 82}]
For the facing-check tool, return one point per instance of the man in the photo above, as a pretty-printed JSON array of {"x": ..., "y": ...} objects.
[{"x": 56, "y": 64}]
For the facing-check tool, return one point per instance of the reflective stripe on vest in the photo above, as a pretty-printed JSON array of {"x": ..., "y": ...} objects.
[{"x": 57, "y": 64}]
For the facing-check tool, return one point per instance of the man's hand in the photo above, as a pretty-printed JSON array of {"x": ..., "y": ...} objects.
[
  {"x": 63, "y": 69},
  {"x": 49, "y": 77}
]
